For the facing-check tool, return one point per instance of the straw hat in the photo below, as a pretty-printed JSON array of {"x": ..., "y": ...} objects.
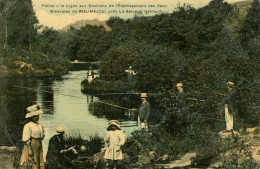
[
  {"x": 179, "y": 85},
  {"x": 60, "y": 129},
  {"x": 144, "y": 95},
  {"x": 115, "y": 124},
  {"x": 33, "y": 110},
  {"x": 113, "y": 121},
  {"x": 230, "y": 84}
]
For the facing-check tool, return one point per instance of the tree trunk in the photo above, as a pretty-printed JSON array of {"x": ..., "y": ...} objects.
[{"x": 6, "y": 36}]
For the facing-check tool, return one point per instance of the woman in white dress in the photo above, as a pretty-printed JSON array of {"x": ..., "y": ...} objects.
[
  {"x": 114, "y": 139},
  {"x": 33, "y": 134}
]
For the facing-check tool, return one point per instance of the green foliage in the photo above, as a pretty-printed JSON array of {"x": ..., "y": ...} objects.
[
  {"x": 102, "y": 86},
  {"x": 21, "y": 40},
  {"x": 85, "y": 147},
  {"x": 116, "y": 62},
  {"x": 19, "y": 21},
  {"x": 71, "y": 37},
  {"x": 94, "y": 42},
  {"x": 157, "y": 66},
  {"x": 234, "y": 153},
  {"x": 119, "y": 31}
]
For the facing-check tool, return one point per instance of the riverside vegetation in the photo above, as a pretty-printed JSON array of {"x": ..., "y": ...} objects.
[{"x": 202, "y": 48}]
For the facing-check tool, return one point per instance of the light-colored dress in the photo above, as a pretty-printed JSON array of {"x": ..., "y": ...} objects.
[
  {"x": 33, "y": 134},
  {"x": 90, "y": 76},
  {"x": 114, "y": 139}
]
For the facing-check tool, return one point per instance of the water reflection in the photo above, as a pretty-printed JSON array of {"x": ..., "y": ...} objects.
[
  {"x": 46, "y": 95},
  {"x": 62, "y": 102},
  {"x": 14, "y": 100}
]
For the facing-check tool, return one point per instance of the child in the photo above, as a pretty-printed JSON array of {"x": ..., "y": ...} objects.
[{"x": 114, "y": 139}]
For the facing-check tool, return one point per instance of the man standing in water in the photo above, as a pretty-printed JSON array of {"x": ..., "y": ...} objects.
[{"x": 144, "y": 112}]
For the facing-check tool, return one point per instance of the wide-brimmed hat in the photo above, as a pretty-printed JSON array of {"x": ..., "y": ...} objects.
[
  {"x": 179, "y": 85},
  {"x": 115, "y": 124},
  {"x": 144, "y": 95},
  {"x": 33, "y": 110},
  {"x": 230, "y": 84},
  {"x": 60, "y": 129},
  {"x": 113, "y": 121}
]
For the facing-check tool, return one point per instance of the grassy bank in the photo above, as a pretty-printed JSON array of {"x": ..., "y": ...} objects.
[
  {"x": 98, "y": 86},
  {"x": 22, "y": 69},
  {"x": 147, "y": 150}
]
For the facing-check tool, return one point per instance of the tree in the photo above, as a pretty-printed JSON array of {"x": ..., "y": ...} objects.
[
  {"x": 94, "y": 42},
  {"x": 250, "y": 33},
  {"x": 73, "y": 43},
  {"x": 19, "y": 24}
]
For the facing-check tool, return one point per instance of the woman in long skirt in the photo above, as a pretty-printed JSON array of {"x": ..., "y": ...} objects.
[{"x": 33, "y": 134}]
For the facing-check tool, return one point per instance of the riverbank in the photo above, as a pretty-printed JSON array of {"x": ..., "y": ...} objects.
[
  {"x": 8, "y": 157},
  {"x": 98, "y": 86},
  {"x": 228, "y": 151},
  {"x": 6, "y": 72}
]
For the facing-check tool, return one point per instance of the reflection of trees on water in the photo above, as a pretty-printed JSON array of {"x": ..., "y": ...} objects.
[
  {"x": 100, "y": 109},
  {"x": 46, "y": 95},
  {"x": 14, "y": 101}
]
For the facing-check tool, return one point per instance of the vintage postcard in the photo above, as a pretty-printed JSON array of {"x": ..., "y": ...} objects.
[{"x": 128, "y": 84}]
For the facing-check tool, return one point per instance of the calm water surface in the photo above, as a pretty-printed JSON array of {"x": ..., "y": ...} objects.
[{"x": 63, "y": 104}]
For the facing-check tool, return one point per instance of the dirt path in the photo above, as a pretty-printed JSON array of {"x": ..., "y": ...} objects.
[{"x": 7, "y": 157}]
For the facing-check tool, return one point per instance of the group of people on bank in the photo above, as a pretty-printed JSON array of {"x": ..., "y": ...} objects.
[
  {"x": 230, "y": 106},
  {"x": 56, "y": 158},
  {"x": 33, "y": 134}
]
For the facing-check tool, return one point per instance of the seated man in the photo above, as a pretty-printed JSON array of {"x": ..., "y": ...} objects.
[{"x": 57, "y": 154}]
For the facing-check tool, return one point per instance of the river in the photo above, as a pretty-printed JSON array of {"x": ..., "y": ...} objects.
[{"x": 63, "y": 103}]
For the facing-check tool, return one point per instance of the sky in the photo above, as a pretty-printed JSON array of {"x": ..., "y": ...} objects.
[{"x": 60, "y": 13}]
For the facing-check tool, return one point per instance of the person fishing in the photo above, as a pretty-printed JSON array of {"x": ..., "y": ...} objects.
[
  {"x": 230, "y": 106},
  {"x": 144, "y": 112},
  {"x": 90, "y": 75},
  {"x": 131, "y": 80},
  {"x": 57, "y": 155}
]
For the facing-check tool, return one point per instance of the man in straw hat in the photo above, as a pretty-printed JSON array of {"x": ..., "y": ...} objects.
[
  {"x": 114, "y": 140},
  {"x": 144, "y": 112},
  {"x": 56, "y": 156},
  {"x": 230, "y": 106},
  {"x": 33, "y": 134},
  {"x": 181, "y": 100}
]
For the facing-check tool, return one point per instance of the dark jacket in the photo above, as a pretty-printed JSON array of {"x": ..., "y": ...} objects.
[
  {"x": 54, "y": 157},
  {"x": 181, "y": 100},
  {"x": 231, "y": 101},
  {"x": 144, "y": 111}
]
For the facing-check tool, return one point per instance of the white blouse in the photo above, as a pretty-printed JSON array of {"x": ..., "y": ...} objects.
[
  {"x": 33, "y": 130},
  {"x": 116, "y": 137}
]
